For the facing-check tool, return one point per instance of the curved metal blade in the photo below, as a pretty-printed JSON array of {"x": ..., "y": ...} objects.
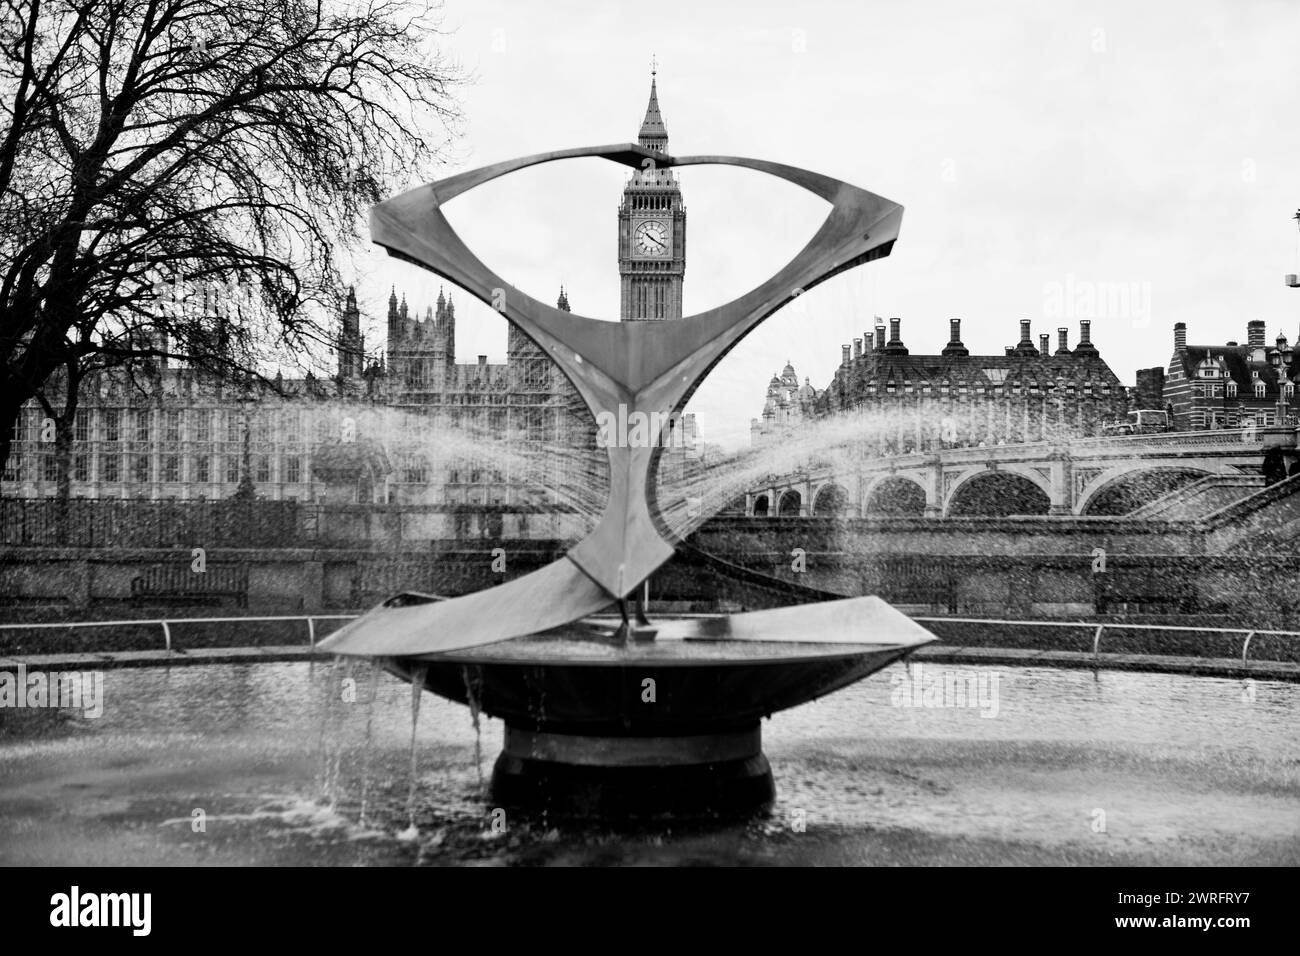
[
  {"x": 858, "y": 620},
  {"x": 649, "y": 368},
  {"x": 546, "y": 598}
]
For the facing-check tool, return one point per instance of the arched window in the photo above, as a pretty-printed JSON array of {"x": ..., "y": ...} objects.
[
  {"x": 1232, "y": 389},
  {"x": 1259, "y": 388}
]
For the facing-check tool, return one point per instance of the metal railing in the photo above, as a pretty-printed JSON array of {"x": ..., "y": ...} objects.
[
  {"x": 1096, "y": 638},
  {"x": 311, "y": 619},
  {"x": 166, "y": 623}
]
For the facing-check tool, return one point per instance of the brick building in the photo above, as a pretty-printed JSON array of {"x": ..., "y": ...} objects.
[
  {"x": 1029, "y": 393},
  {"x": 1230, "y": 385}
]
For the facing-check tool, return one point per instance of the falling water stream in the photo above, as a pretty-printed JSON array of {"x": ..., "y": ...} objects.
[
  {"x": 417, "y": 692},
  {"x": 372, "y": 692},
  {"x": 472, "y": 698}
]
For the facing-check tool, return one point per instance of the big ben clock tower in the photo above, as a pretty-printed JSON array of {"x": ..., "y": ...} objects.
[{"x": 652, "y": 231}]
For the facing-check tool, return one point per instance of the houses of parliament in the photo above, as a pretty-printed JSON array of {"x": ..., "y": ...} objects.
[{"x": 413, "y": 426}]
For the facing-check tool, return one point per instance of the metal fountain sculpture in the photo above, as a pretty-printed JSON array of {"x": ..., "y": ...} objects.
[{"x": 597, "y": 723}]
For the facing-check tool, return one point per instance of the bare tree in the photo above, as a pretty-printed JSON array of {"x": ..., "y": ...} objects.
[{"x": 152, "y": 148}]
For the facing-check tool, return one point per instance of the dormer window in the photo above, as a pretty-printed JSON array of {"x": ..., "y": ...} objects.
[
  {"x": 1232, "y": 389},
  {"x": 1259, "y": 388}
]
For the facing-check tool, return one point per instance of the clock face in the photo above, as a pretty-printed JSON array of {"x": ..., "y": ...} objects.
[{"x": 651, "y": 238}]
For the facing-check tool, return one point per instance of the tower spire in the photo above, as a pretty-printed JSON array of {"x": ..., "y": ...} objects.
[{"x": 653, "y": 135}]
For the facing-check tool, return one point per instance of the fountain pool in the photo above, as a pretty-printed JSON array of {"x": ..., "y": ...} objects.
[{"x": 272, "y": 762}]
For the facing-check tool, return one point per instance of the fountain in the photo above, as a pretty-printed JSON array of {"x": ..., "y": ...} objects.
[{"x": 618, "y": 715}]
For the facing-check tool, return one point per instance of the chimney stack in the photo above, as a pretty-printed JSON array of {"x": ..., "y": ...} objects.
[
  {"x": 1062, "y": 341},
  {"x": 895, "y": 343},
  {"x": 1085, "y": 346},
  {"x": 869, "y": 340},
  {"x": 1043, "y": 339},
  {"x": 880, "y": 338},
  {"x": 1180, "y": 337},
  {"x": 844, "y": 355},
  {"x": 954, "y": 346},
  {"x": 1026, "y": 344},
  {"x": 857, "y": 348},
  {"x": 1255, "y": 333}
]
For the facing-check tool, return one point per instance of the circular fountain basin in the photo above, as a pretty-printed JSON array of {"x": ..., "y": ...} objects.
[{"x": 599, "y": 726}]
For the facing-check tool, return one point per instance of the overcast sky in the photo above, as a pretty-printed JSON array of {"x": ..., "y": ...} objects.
[{"x": 1042, "y": 151}]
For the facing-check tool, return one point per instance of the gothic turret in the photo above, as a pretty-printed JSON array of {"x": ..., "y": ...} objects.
[
  {"x": 394, "y": 328},
  {"x": 350, "y": 345}
]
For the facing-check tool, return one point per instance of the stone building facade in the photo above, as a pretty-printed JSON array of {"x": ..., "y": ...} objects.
[
  {"x": 788, "y": 405},
  {"x": 408, "y": 429}
]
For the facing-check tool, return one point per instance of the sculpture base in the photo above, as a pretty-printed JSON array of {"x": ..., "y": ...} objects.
[
  {"x": 704, "y": 776},
  {"x": 599, "y": 725}
]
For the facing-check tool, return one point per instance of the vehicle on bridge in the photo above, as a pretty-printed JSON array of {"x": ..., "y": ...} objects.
[{"x": 1147, "y": 421}]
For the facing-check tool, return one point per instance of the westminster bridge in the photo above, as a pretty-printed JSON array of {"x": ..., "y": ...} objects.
[{"x": 1086, "y": 476}]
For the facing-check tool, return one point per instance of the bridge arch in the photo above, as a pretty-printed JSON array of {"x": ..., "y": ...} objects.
[
  {"x": 830, "y": 500},
  {"x": 895, "y": 496},
  {"x": 761, "y": 507},
  {"x": 1125, "y": 490},
  {"x": 998, "y": 494},
  {"x": 789, "y": 504}
]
